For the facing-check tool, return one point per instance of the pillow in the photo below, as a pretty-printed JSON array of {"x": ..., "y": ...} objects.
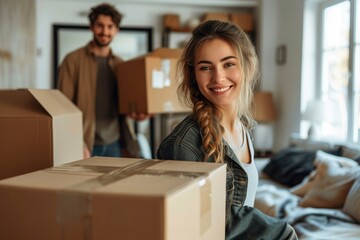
[
  {"x": 340, "y": 161},
  {"x": 310, "y": 145},
  {"x": 351, "y": 152},
  {"x": 328, "y": 185},
  {"x": 352, "y": 202},
  {"x": 291, "y": 165}
]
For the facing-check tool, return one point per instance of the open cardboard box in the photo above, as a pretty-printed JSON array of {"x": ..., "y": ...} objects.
[
  {"x": 116, "y": 198},
  {"x": 39, "y": 129},
  {"x": 147, "y": 84}
]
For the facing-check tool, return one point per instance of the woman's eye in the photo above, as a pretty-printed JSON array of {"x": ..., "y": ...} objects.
[
  {"x": 227, "y": 65},
  {"x": 204, "y": 68}
]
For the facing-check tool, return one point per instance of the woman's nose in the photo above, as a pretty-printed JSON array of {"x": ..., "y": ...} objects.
[{"x": 219, "y": 75}]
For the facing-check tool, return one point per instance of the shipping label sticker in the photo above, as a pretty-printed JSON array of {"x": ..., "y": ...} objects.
[
  {"x": 157, "y": 79},
  {"x": 165, "y": 67}
]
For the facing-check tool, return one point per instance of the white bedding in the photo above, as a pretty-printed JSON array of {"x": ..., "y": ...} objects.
[{"x": 276, "y": 200}]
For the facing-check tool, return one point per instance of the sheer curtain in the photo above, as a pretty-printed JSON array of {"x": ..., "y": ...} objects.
[{"x": 17, "y": 43}]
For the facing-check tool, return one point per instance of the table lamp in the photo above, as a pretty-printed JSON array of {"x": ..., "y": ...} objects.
[
  {"x": 264, "y": 112},
  {"x": 317, "y": 112}
]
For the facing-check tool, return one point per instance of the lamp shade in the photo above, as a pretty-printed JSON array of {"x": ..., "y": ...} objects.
[
  {"x": 263, "y": 107},
  {"x": 318, "y": 111}
]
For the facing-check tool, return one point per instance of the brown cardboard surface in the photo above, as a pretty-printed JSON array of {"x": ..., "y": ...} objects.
[
  {"x": 39, "y": 129},
  {"x": 66, "y": 125},
  {"x": 116, "y": 198},
  {"x": 243, "y": 20},
  {"x": 147, "y": 83},
  {"x": 215, "y": 16},
  {"x": 171, "y": 21}
]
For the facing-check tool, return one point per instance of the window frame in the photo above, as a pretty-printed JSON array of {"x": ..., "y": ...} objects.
[{"x": 352, "y": 125}]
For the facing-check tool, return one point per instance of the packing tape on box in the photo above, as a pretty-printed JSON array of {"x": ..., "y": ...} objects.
[{"x": 74, "y": 203}]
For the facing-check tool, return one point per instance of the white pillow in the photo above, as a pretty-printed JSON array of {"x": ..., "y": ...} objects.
[
  {"x": 322, "y": 156},
  {"x": 328, "y": 185},
  {"x": 352, "y": 202}
]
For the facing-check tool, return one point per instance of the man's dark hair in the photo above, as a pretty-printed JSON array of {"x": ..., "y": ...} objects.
[{"x": 105, "y": 9}]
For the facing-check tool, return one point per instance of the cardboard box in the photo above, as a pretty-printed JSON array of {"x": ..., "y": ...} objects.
[
  {"x": 215, "y": 16},
  {"x": 116, "y": 198},
  {"x": 243, "y": 20},
  {"x": 171, "y": 21},
  {"x": 147, "y": 84},
  {"x": 39, "y": 129}
]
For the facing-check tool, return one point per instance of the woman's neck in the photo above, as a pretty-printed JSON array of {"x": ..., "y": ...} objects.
[{"x": 230, "y": 120}]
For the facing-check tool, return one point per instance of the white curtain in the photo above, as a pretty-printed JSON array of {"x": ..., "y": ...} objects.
[{"x": 17, "y": 43}]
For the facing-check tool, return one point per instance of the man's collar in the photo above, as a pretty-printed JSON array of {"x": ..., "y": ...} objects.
[{"x": 90, "y": 50}]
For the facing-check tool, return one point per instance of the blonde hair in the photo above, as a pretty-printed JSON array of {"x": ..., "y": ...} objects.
[{"x": 204, "y": 112}]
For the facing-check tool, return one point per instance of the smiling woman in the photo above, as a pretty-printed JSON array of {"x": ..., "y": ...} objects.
[{"x": 218, "y": 72}]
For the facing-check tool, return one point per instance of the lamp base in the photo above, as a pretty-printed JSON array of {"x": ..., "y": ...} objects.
[
  {"x": 263, "y": 137},
  {"x": 314, "y": 132}
]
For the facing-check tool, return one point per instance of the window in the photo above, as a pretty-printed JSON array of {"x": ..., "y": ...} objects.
[{"x": 339, "y": 70}]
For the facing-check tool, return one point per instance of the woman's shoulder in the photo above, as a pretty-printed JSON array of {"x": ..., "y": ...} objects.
[
  {"x": 187, "y": 129},
  {"x": 183, "y": 140}
]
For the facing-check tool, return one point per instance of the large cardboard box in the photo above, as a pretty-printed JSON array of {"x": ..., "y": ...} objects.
[
  {"x": 147, "y": 84},
  {"x": 38, "y": 129},
  {"x": 116, "y": 198}
]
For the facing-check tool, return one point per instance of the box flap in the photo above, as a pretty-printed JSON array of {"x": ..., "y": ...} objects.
[
  {"x": 166, "y": 53},
  {"x": 54, "y": 101},
  {"x": 159, "y": 53},
  {"x": 20, "y": 104},
  {"x": 67, "y": 125}
]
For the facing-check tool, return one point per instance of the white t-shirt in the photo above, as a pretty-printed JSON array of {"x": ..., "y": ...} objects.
[
  {"x": 249, "y": 168},
  {"x": 253, "y": 180}
]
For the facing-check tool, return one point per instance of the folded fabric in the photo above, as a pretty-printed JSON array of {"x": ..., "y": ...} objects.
[
  {"x": 351, "y": 152},
  {"x": 272, "y": 200},
  {"x": 328, "y": 185},
  {"x": 352, "y": 202}
]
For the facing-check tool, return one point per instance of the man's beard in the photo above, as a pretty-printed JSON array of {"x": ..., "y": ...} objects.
[{"x": 100, "y": 44}]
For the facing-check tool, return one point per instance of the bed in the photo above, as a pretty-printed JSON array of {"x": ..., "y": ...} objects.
[{"x": 314, "y": 186}]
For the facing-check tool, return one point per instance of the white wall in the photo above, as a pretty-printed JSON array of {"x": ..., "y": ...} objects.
[{"x": 282, "y": 23}]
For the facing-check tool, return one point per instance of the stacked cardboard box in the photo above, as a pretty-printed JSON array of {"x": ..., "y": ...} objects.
[
  {"x": 148, "y": 84},
  {"x": 171, "y": 21},
  {"x": 243, "y": 20},
  {"x": 215, "y": 16},
  {"x": 116, "y": 198},
  {"x": 38, "y": 129}
]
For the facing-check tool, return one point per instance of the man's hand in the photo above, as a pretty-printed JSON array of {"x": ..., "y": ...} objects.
[{"x": 86, "y": 152}]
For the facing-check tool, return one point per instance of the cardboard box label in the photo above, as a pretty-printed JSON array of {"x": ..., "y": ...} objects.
[
  {"x": 165, "y": 67},
  {"x": 157, "y": 79}
]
